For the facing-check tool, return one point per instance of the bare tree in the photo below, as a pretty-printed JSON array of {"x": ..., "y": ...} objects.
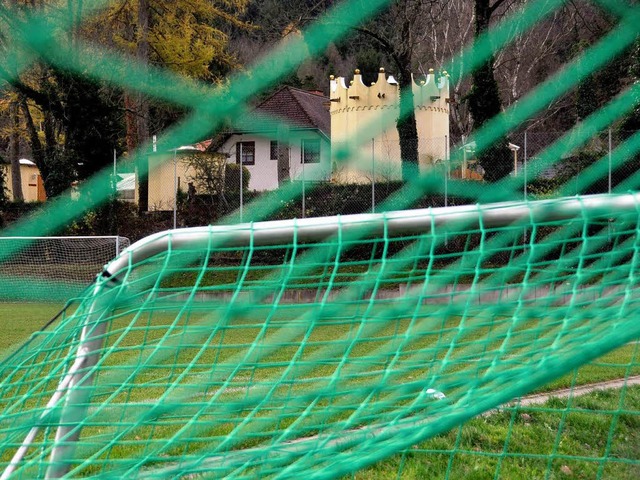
[
  {"x": 448, "y": 27},
  {"x": 533, "y": 55},
  {"x": 206, "y": 173},
  {"x": 484, "y": 96}
]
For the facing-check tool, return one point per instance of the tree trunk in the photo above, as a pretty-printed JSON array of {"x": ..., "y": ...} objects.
[
  {"x": 142, "y": 117},
  {"x": 34, "y": 140},
  {"x": 485, "y": 104},
  {"x": 484, "y": 100},
  {"x": 131, "y": 126},
  {"x": 406, "y": 126},
  {"x": 14, "y": 152}
]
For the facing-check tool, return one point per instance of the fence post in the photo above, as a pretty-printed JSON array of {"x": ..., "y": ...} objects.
[
  {"x": 446, "y": 182},
  {"x": 373, "y": 176},
  {"x": 114, "y": 181}
]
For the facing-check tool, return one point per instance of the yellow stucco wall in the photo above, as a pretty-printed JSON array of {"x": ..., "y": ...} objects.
[
  {"x": 163, "y": 177},
  {"x": 30, "y": 179},
  {"x": 367, "y": 115}
]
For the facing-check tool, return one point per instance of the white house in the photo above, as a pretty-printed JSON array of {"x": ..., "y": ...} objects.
[{"x": 286, "y": 137}]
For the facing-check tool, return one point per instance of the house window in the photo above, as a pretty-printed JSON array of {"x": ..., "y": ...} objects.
[
  {"x": 310, "y": 151},
  {"x": 274, "y": 150},
  {"x": 246, "y": 152}
]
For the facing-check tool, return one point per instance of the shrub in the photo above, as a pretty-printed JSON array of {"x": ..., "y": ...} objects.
[{"x": 232, "y": 178}]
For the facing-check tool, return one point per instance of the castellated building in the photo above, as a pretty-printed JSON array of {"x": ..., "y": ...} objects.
[{"x": 365, "y": 118}]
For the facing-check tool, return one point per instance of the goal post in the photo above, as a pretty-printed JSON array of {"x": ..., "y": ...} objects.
[{"x": 322, "y": 345}]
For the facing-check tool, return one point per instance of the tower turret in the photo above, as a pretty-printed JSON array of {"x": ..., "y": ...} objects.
[{"x": 367, "y": 115}]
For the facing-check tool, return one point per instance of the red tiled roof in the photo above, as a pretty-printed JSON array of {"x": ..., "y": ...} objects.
[{"x": 298, "y": 108}]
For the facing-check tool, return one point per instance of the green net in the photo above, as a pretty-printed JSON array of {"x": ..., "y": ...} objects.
[
  {"x": 279, "y": 348},
  {"x": 495, "y": 339}
]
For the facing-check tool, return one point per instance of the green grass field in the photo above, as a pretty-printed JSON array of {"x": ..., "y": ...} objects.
[
  {"x": 19, "y": 320},
  {"x": 517, "y": 442}
]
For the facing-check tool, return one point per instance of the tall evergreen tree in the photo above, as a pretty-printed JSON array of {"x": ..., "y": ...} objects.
[
  {"x": 183, "y": 35},
  {"x": 74, "y": 123}
]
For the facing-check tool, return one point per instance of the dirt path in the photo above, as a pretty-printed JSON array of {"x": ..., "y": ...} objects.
[{"x": 539, "y": 398}]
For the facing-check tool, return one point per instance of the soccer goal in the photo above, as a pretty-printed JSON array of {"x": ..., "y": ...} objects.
[
  {"x": 324, "y": 346},
  {"x": 53, "y": 268}
]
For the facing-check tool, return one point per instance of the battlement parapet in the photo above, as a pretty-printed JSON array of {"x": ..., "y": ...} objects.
[{"x": 430, "y": 94}]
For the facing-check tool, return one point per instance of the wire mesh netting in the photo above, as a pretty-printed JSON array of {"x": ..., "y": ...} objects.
[
  {"x": 54, "y": 268},
  {"x": 493, "y": 333}
]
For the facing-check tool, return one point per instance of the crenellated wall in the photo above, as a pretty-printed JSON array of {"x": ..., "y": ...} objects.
[{"x": 367, "y": 115}]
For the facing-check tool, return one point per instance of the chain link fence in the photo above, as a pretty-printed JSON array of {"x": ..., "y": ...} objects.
[{"x": 454, "y": 169}]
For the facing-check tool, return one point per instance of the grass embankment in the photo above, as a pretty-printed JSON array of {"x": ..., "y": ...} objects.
[{"x": 593, "y": 436}]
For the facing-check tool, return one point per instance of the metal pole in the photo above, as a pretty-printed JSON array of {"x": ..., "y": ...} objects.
[
  {"x": 175, "y": 188},
  {"x": 241, "y": 182},
  {"x": 446, "y": 173},
  {"x": 524, "y": 189},
  {"x": 78, "y": 382},
  {"x": 446, "y": 182},
  {"x": 373, "y": 176},
  {"x": 303, "y": 189},
  {"x": 609, "y": 189},
  {"x": 525, "y": 165},
  {"x": 114, "y": 181}
]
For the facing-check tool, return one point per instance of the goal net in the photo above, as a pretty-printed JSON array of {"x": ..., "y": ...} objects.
[
  {"x": 324, "y": 345},
  {"x": 495, "y": 338},
  {"x": 53, "y": 268}
]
